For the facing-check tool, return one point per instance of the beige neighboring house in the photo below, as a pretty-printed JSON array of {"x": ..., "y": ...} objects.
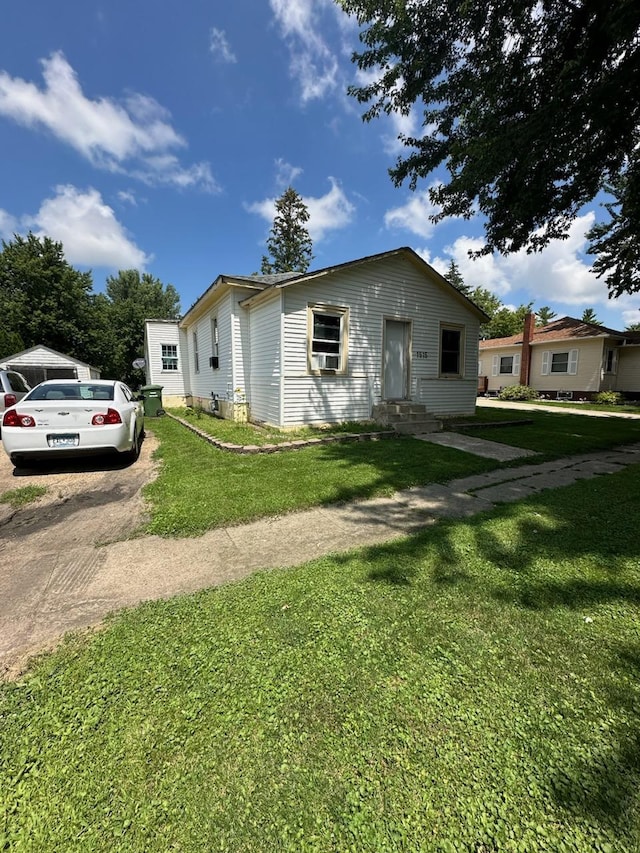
[
  {"x": 324, "y": 346},
  {"x": 564, "y": 360},
  {"x": 39, "y": 363}
]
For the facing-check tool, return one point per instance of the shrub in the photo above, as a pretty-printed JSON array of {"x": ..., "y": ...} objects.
[
  {"x": 518, "y": 392},
  {"x": 609, "y": 398}
]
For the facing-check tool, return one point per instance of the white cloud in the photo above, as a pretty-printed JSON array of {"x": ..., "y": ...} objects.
[
  {"x": 128, "y": 197},
  {"x": 8, "y": 224},
  {"x": 88, "y": 230},
  {"x": 632, "y": 315},
  {"x": 108, "y": 134},
  {"x": 219, "y": 46},
  {"x": 286, "y": 173},
  {"x": 327, "y": 213},
  {"x": 313, "y": 63},
  {"x": 414, "y": 216}
]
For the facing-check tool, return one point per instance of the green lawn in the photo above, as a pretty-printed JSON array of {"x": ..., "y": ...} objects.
[
  {"x": 200, "y": 487},
  {"x": 474, "y": 689}
]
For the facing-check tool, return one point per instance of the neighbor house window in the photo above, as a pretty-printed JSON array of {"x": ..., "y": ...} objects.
[
  {"x": 328, "y": 338},
  {"x": 610, "y": 360},
  {"x": 196, "y": 357},
  {"x": 450, "y": 351},
  {"x": 506, "y": 364},
  {"x": 560, "y": 362},
  {"x": 169, "y": 356}
]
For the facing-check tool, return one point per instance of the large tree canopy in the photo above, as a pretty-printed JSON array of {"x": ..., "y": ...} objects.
[
  {"x": 44, "y": 300},
  {"x": 289, "y": 243},
  {"x": 132, "y": 299},
  {"x": 532, "y": 105}
]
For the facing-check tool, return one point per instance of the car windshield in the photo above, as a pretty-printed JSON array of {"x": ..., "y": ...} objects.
[{"x": 77, "y": 391}]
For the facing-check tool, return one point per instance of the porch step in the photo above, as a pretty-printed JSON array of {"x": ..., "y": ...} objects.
[{"x": 406, "y": 417}]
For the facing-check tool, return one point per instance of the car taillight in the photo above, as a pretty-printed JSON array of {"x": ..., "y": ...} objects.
[
  {"x": 15, "y": 419},
  {"x": 10, "y": 400},
  {"x": 111, "y": 417}
]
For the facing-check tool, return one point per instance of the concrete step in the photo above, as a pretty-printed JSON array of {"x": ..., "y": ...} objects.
[{"x": 418, "y": 426}]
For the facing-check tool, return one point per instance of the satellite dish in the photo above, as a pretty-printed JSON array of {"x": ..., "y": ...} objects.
[{"x": 138, "y": 363}]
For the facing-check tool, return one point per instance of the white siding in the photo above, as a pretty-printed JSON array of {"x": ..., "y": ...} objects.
[
  {"x": 208, "y": 380},
  {"x": 392, "y": 288},
  {"x": 628, "y": 375},
  {"x": 263, "y": 388},
  {"x": 44, "y": 357},
  {"x": 174, "y": 382}
]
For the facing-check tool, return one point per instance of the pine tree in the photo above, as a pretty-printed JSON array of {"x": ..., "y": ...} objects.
[
  {"x": 289, "y": 244},
  {"x": 544, "y": 316},
  {"x": 454, "y": 277},
  {"x": 589, "y": 316}
]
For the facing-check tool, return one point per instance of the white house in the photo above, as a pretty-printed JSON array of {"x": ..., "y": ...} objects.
[
  {"x": 324, "y": 346},
  {"x": 39, "y": 363}
]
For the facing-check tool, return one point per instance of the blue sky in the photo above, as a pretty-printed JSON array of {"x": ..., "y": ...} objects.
[{"x": 157, "y": 136}]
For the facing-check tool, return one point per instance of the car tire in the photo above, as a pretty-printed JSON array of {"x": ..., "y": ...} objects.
[{"x": 133, "y": 454}]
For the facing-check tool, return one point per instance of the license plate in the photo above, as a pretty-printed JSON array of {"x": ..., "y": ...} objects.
[{"x": 71, "y": 440}]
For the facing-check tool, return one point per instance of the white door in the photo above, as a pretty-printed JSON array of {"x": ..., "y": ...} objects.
[{"x": 396, "y": 360}]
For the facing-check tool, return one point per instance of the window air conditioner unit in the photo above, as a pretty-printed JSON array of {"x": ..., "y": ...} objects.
[
  {"x": 564, "y": 395},
  {"x": 327, "y": 362},
  {"x": 214, "y": 362}
]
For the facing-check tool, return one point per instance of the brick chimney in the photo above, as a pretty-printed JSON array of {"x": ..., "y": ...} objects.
[{"x": 525, "y": 358}]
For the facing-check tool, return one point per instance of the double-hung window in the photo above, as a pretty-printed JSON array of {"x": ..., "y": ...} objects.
[
  {"x": 196, "y": 357},
  {"x": 560, "y": 362},
  {"x": 169, "y": 356},
  {"x": 328, "y": 338},
  {"x": 214, "y": 361}
]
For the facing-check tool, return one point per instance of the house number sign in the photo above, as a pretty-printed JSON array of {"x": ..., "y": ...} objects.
[{"x": 421, "y": 353}]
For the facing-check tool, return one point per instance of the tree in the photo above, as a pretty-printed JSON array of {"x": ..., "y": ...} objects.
[
  {"x": 44, "y": 300},
  {"x": 616, "y": 242},
  {"x": 544, "y": 316},
  {"x": 589, "y": 316},
  {"x": 289, "y": 243},
  {"x": 531, "y": 107},
  {"x": 454, "y": 277},
  {"x": 131, "y": 299},
  {"x": 633, "y": 327}
]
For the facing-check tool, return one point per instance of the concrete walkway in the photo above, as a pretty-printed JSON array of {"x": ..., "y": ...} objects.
[
  {"x": 54, "y": 591},
  {"x": 493, "y": 403}
]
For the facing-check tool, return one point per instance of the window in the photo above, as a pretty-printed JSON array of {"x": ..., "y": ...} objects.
[
  {"x": 506, "y": 364},
  {"x": 196, "y": 359},
  {"x": 610, "y": 360},
  {"x": 327, "y": 339},
  {"x": 213, "y": 358},
  {"x": 560, "y": 362},
  {"x": 450, "y": 351},
  {"x": 169, "y": 356}
]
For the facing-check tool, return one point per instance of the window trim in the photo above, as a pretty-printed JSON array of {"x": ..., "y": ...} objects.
[
  {"x": 572, "y": 362},
  {"x": 461, "y": 329},
  {"x": 196, "y": 355},
  {"x": 164, "y": 358},
  {"x": 342, "y": 312}
]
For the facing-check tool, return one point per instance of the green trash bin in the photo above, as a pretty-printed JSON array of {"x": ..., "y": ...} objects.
[{"x": 152, "y": 400}]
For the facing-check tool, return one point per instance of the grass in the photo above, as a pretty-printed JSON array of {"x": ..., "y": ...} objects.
[
  {"x": 553, "y": 435},
  {"x": 201, "y": 487},
  {"x": 247, "y": 433},
  {"x": 473, "y": 689},
  {"x": 17, "y": 498}
]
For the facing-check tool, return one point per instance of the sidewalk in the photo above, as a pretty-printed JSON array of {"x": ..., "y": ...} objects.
[
  {"x": 493, "y": 403},
  {"x": 86, "y": 582}
]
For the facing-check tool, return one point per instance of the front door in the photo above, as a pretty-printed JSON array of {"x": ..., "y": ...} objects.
[{"x": 396, "y": 359}]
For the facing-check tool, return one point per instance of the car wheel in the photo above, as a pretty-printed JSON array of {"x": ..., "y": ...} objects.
[{"x": 135, "y": 448}]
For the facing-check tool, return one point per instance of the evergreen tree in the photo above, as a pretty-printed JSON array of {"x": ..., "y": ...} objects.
[
  {"x": 289, "y": 243},
  {"x": 589, "y": 316},
  {"x": 454, "y": 277},
  {"x": 544, "y": 316}
]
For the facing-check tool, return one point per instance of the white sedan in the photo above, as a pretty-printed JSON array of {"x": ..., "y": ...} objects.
[{"x": 73, "y": 417}]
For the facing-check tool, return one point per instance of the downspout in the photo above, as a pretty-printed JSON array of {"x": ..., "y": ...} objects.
[{"x": 527, "y": 337}]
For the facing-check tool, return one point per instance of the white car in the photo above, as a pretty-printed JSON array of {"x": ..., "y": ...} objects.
[{"x": 73, "y": 417}]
